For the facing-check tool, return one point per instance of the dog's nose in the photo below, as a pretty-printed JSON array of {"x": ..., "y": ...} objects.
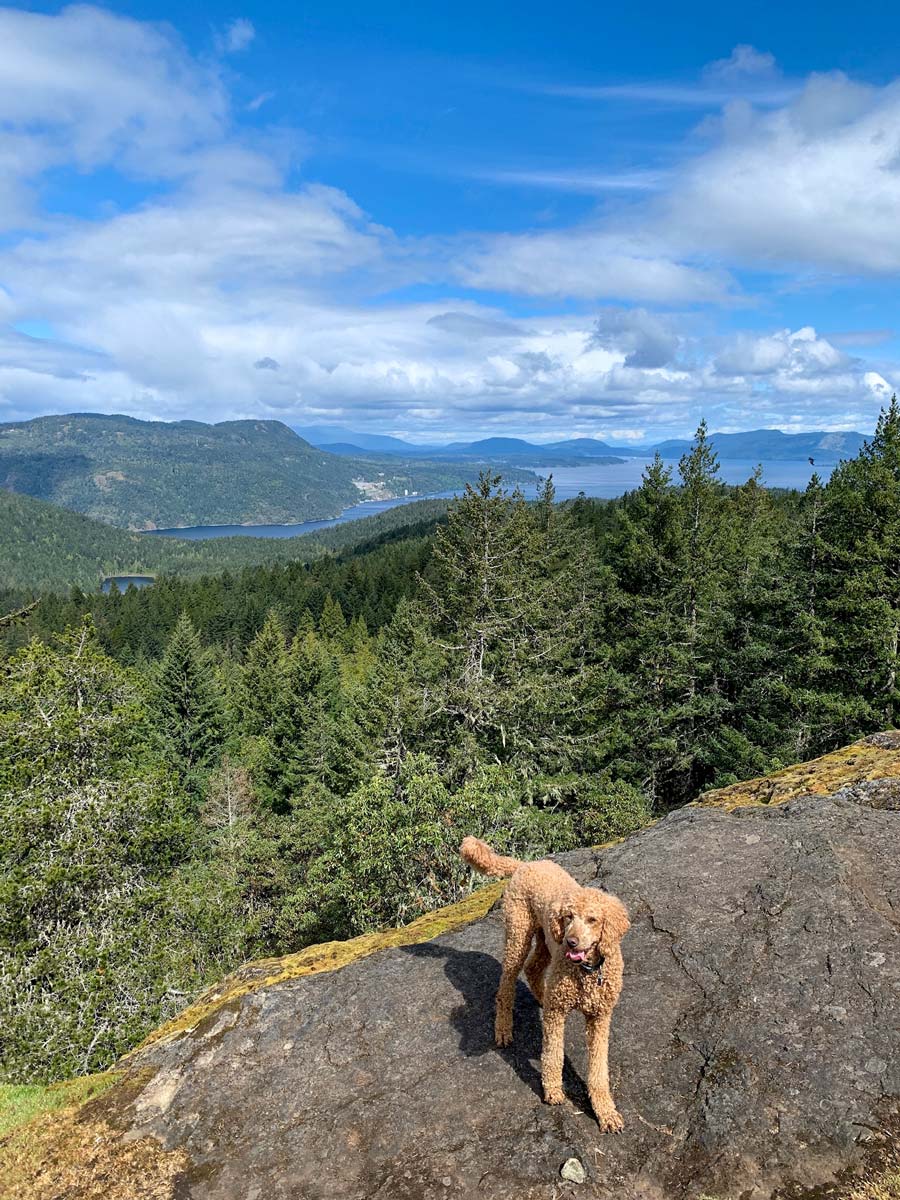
[{"x": 573, "y": 942}]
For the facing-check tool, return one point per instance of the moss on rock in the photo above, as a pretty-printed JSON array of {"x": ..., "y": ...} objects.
[
  {"x": 328, "y": 956},
  {"x": 874, "y": 757}
]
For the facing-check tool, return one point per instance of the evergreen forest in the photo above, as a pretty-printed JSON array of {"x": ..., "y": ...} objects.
[{"x": 240, "y": 764}]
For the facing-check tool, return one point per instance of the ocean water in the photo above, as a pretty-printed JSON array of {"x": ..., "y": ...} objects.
[{"x": 597, "y": 479}]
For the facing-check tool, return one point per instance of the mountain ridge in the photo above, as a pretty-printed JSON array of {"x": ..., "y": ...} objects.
[
  {"x": 772, "y": 444},
  {"x": 144, "y": 475}
]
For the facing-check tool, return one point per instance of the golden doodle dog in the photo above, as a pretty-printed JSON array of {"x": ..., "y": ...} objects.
[{"x": 567, "y": 939}]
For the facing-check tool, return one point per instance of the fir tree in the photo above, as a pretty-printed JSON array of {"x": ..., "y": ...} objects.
[
  {"x": 187, "y": 708},
  {"x": 332, "y": 625},
  {"x": 861, "y": 532},
  {"x": 263, "y": 678}
]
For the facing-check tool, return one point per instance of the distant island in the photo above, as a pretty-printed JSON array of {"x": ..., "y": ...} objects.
[{"x": 770, "y": 444}]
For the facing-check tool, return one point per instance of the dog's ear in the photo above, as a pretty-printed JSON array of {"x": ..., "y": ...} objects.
[
  {"x": 558, "y": 922},
  {"x": 615, "y": 920}
]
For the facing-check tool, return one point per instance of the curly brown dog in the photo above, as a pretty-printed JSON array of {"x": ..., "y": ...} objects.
[{"x": 567, "y": 939}]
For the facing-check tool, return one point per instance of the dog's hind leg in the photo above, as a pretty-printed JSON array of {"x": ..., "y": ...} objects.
[
  {"x": 518, "y": 941},
  {"x": 536, "y": 966}
]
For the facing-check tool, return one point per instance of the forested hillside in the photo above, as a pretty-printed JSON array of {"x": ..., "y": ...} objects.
[
  {"x": 158, "y": 475},
  {"x": 262, "y": 760},
  {"x": 46, "y": 547}
]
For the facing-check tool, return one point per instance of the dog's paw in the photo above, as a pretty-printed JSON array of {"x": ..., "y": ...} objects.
[
  {"x": 554, "y": 1096},
  {"x": 503, "y": 1031},
  {"x": 610, "y": 1121}
]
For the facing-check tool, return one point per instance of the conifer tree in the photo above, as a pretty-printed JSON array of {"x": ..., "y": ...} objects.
[
  {"x": 263, "y": 677},
  {"x": 332, "y": 625},
  {"x": 861, "y": 532},
  {"x": 186, "y": 708},
  {"x": 646, "y": 628}
]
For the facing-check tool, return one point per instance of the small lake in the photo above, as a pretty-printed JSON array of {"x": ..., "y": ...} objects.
[
  {"x": 605, "y": 480},
  {"x": 122, "y": 582}
]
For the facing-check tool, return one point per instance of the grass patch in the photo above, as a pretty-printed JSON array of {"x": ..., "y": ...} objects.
[
  {"x": 20, "y": 1102},
  {"x": 879, "y": 1187}
]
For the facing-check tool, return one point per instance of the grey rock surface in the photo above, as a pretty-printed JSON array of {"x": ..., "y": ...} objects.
[{"x": 757, "y": 1037}]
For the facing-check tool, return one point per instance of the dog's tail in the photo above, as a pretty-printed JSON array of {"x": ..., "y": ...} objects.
[{"x": 479, "y": 855}]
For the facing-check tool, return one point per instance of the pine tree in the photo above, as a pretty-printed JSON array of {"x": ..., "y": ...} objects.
[
  {"x": 263, "y": 677},
  {"x": 861, "y": 535},
  {"x": 646, "y": 628},
  {"x": 186, "y": 705},
  {"x": 332, "y": 625}
]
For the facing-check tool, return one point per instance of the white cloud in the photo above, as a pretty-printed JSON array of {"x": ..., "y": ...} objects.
[
  {"x": 650, "y": 340},
  {"x": 812, "y": 186},
  {"x": 746, "y": 73},
  {"x": 238, "y": 36},
  {"x": 744, "y": 62},
  {"x": 87, "y": 87},
  {"x": 788, "y": 354},
  {"x": 589, "y": 263},
  {"x": 578, "y": 181},
  {"x": 231, "y": 294},
  {"x": 815, "y": 184}
]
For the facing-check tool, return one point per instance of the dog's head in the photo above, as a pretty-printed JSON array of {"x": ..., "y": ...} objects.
[{"x": 589, "y": 926}]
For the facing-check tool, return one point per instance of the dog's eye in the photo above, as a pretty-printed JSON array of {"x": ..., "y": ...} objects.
[{"x": 592, "y": 920}]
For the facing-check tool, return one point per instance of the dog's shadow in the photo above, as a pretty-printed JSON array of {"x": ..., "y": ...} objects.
[{"x": 476, "y": 976}]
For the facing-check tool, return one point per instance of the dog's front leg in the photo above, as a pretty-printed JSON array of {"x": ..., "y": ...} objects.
[
  {"x": 598, "y": 1074},
  {"x": 553, "y": 1051}
]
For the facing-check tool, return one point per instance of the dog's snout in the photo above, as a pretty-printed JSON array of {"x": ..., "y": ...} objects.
[{"x": 573, "y": 942}]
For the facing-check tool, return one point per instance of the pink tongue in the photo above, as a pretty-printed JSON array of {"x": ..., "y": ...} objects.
[{"x": 576, "y": 955}]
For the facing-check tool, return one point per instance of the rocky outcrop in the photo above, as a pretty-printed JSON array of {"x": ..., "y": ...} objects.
[{"x": 755, "y": 1052}]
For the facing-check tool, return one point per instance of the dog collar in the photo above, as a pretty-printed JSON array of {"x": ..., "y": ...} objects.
[{"x": 592, "y": 968}]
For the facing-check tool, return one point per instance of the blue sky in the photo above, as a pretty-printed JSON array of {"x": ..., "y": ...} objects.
[{"x": 442, "y": 221}]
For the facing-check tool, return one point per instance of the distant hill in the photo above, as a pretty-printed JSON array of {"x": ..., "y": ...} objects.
[
  {"x": 769, "y": 444},
  {"x": 43, "y": 547},
  {"x": 495, "y": 449},
  {"x": 343, "y": 448},
  {"x": 773, "y": 445},
  {"x": 157, "y": 475},
  {"x": 323, "y": 436}
]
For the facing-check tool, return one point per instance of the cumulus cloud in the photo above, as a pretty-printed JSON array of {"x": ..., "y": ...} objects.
[
  {"x": 814, "y": 183},
  {"x": 790, "y": 354},
  {"x": 648, "y": 339}
]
